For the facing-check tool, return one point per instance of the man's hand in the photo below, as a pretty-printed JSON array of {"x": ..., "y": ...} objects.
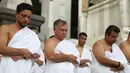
[
  {"x": 35, "y": 56},
  {"x": 83, "y": 61},
  {"x": 83, "y": 65},
  {"x": 121, "y": 67},
  {"x": 26, "y": 54},
  {"x": 39, "y": 62},
  {"x": 72, "y": 58}
]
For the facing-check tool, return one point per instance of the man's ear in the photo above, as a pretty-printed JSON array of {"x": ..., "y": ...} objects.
[
  {"x": 16, "y": 14},
  {"x": 106, "y": 35},
  {"x": 54, "y": 29}
]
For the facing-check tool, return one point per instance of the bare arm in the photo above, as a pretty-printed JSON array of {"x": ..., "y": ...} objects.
[
  {"x": 99, "y": 53},
  {"x": 125, "y": 49},
  {"x": 50, "y": 54},
  {"x": 4, "y": 49}
]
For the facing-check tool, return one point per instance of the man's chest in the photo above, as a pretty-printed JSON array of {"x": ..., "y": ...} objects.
[{"x": 11, "y": 34}]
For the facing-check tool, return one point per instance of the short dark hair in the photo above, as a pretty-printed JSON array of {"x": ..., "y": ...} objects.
[
  {"x": 59, "y": 21},
  {"x": 82, "y": 33},
  {"x": 112, "y": 28},
  {"x": 129, "y": 33},
  {"x": 24, "y": 6}
]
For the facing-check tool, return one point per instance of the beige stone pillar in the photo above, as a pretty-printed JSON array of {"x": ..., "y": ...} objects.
[
  {"x": 125, "y": 17},
  {"x": 44, "y": 32},
  {"x": 82, "y": 16}
]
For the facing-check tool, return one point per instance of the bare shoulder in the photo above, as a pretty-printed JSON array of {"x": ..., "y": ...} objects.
[
  {"x": 4, "y": 31},
  {"x": 98, "y": 43},
  {"x": 47, "y": 42},
  {"x": 50, "y": 46},
  {"x": 98, "y": 49},
  {"x": 4, "y": 28},
  {"x": 51, "y": 43},
  {"x": 123, "y": 45}
]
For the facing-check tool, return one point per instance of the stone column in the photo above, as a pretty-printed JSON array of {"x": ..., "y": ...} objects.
[
  {"x": 82, "y": 25},
  {"x": 44, "y": 34},
  {"x": 125, "y": 17},
  {"x": 82, "y": 18},
  {"x": 12, "y": 4}
]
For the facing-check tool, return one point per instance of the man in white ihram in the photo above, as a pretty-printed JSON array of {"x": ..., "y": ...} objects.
[
  {"x": 62, "y": 56},
  {"x": 85, "y": 55},
  {"x": 107, "y": 56},
  {"x": 18, "y": 44}
]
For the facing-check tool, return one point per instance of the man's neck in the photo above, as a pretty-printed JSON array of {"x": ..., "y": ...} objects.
[
  {"x": 107, "y": 42},
  {"x": 18, "y": 26},
  {"x": 57, "y": 38},
  {"x": 79, "y": 45}
]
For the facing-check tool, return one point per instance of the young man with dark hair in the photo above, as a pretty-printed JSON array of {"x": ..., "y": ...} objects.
[
  {"x": 85, "y": 55},
  {"x": 18, "y": 44}
]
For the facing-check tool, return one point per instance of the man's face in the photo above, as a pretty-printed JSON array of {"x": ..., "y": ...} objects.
[
  {"x": 61, "y": 31},
  {"x": 82, "y": 40},
  {"x": 112, "y": 38},
  {"x": 24, "y": 17}
]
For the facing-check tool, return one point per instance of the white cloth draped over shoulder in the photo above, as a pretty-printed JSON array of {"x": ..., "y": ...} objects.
[
  {"x": 86, "y": 54},
  {"x": 65, "y": 47},
  {"x": 116, "y": 55},
  {"x": 24, "y": 38}
]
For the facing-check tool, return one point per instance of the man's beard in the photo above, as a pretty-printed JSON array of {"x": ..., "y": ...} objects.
[{"x": 21, "y": 25}]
